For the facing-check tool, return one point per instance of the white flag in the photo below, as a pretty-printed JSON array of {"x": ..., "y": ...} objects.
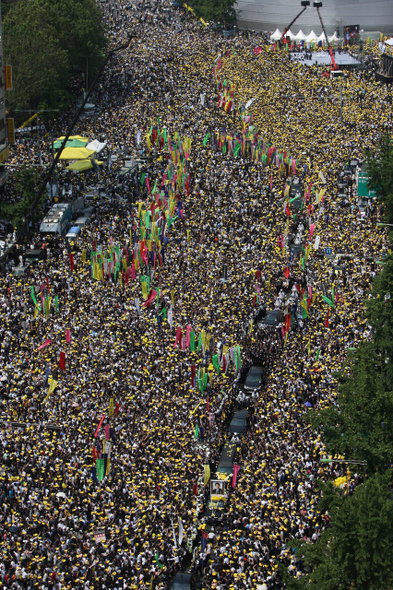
[
  {"x": 170, "y": 316},
  {"x": 136, "y": 301},
  {"x": 181, "y": 531},
  {"x": 322, "y": 177},
  {"x": 249, "y": 103},
  {"x": 316, "y": 243},
  {"x": 174, "y": 536}
]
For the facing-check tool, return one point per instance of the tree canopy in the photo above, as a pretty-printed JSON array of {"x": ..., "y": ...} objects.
[
  {"x": 355, "y": 551},
  {"x": 222, "y": 11},
  {"x": 47, "y": 42},
  {"x": 26, "y": 183},
  {"x": 380, "y": 171}
]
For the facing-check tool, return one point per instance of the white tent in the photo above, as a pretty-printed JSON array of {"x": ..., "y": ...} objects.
[
  {"x": 311, "y": 37},
  {"x": 276, "y": 35},
  {"x": 96, "y": 146},
  {"x": 389, "y": 41},
  {"x": 289, "y": 34},
  {"x": 333, "y": 38},
  {"x": 300, "y": 36},
  {"x": 321, "y": 37}
]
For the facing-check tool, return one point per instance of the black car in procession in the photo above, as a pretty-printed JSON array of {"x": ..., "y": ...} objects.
[{"x": 253, "y": 379}]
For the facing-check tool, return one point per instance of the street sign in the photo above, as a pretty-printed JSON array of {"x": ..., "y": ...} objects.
[
  {"x": 363, "y": 190},
  {"x": 8, "y": 77},
  {"x": 328, "y": 251}
]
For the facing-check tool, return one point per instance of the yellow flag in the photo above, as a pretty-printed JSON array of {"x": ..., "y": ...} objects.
[
  {"x": 309, "y": 348},
  {"x": 188, "y": 235},
  {"x": 52, "y": 385},
  {"x": 207, "y": 474},
  {"x": 83, "y": 256},
  {"x": 195, "y": 409}
]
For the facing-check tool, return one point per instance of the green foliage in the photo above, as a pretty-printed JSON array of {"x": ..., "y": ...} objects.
[
  {"x": 380, "y": 313},
  {"x": 362, "y": 426},
  {"x": 47, "y": 42},
  {"x": 380, "y": 171},
  {"x": 355, "y": 552},
  {"x": 26, "y": 184},
  {"x": 222, "y": 11}
]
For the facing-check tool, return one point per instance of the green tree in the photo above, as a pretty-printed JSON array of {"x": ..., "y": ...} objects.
[
  {"x": 355, "y": 551},
  {"x": 360, "y": 426},
  {"x": 222, "y": 11},
  {"x": 379, "y": 311},
  {"x": 380, "y": 171},
  {"x": 26, "y": 184},
  {"x": 46, "y": 43}
]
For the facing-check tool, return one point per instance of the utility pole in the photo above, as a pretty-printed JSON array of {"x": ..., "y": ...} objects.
[
  {"x": 53, "y": 157},
  {"x": 341, "y": 102},
  {"x": 87, "y": 73}
]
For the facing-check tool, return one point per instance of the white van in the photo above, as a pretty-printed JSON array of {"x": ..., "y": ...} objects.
[{"x": 82, "y": 221}]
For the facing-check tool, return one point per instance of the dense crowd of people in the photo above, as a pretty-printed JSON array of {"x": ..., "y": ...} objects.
[{"x": 119, "y": 351}]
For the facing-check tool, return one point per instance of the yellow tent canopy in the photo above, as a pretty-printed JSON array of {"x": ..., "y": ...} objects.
[
  {"x": 80, "y": 153},
  {"x": 81, "y": 165}
]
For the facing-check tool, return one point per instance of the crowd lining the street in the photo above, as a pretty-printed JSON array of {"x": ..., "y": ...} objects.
[{"x": 123, "y": 362}]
